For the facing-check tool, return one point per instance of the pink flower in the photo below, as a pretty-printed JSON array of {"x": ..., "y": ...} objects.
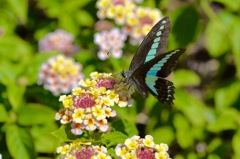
[
  {"x": 60, "y": 74},
  {"x": 58, "y": 40},
  {"x": 110, "y": 42}
]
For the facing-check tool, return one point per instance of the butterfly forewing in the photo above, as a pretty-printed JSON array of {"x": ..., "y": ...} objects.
[
  {"x": 163, "y": 64},
  {"x": 153, "y": 45}
]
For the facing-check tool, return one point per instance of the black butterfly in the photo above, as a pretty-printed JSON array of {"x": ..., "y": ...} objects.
[{"x": 151, "y": 64}]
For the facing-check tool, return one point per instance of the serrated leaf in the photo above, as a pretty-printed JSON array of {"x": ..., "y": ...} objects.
[
  {"x": 19, "y": 143},
  {"x": 33, "y": 113},
  {"x": 113, "y": 138}
]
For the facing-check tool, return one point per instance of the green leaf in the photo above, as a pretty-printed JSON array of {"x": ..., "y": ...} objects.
[
  {"x": 19, "y": 7},
  {"x": 8, "y": 73},
  {"x": 19, "y": 143},
  {"x": 3, "y": 114},
  {"x": 63, "y": 134},
  {"x": 113, "y": 138},
  {"x": 84, "y": 18},
  {"x": 52, "y": 8},
  {"x": 183, "y": 135},
  {"x": 232, "y": 5},
  {"x": 236, "y": 144},
  {"x": 217, "y": 34},
  {"x": 193, "y": 108},
  {"x": 185, "y": 24},
  {"x": 235, "y": 38},
  {"x": 43, "y": 140},
  {"x": 74, "y": 4},
  {"x": 33, "y": 66},
  {"x": 225, "y": 120},
  {"x": 183, "y": 78},
  {"x": 163, "y": 134},
  {"x": 14, "y": 48},
  {"x": 125, "y": 126},
  {"x": 32, "y": 114},
  {"x": 15, "y": 95},
  {"x": 227, "y": 96}
]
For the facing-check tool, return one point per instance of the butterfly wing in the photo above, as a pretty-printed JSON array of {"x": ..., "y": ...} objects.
[
  {"x": 151, "y": 74},
  {"x": 153, "y": 45}
]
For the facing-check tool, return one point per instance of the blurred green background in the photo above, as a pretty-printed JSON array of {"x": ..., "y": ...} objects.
[{"x": 205, "y": 119}]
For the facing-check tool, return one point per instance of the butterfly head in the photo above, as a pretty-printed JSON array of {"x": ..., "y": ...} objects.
[{"x": 124, "y": 74}]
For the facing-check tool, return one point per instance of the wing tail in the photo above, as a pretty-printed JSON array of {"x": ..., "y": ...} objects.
[{"x": 162, "y": 89}]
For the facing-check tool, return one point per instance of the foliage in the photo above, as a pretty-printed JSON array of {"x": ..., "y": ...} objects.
[{"x": 204, "y": 121}]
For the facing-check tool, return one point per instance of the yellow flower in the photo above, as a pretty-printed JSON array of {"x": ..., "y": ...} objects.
[
  {"x": 107, "y": 101},
  {"x": 101, "y": 155},
  {"x": 78, "y": 115},
  {"x": 148, "y": 141},
  {"x": 78, "y": 91},
  {"x": 87, "y": 83},
  {"x": 98, "y": 112},
  {"x": 162, "y": 147},
  {"x": 90, "y": 123},
  {"x": 95, "y": 75},
  {"x": 130, "y": 156},
  {"x": 161, "y": 155},
  {"x": 132, "y": 145},
  {"x": 141, "y": 12},
  {"x": 63, "y": 149},
  {"x": 111, "y": 12},
  {"x": 66, "y": 100},
  {"x": 103, "y": 3},
  {"x": 121, "y": 151},
  {"x": 146, "y": 29}
]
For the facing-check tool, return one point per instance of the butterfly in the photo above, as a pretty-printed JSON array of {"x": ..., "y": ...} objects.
[{"x": 151, "y": 64}]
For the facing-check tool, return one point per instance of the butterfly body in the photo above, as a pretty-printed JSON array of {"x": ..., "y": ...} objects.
[{"x": 151, "y": 64}]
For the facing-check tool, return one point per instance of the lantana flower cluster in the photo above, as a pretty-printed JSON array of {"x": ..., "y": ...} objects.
[
  {"x": 110, "y": 41},
  {"x": 60, "y": 74},
  {"x": 58, "y": 40},
  {"x": 77, "y": 150},
  {"x": 90, "y": 104},
  {"x": 142, "y": 148},
  {"x": 136, "y": 21}
]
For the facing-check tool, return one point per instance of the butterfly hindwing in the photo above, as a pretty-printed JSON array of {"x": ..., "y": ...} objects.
[
  {"x": 151, "y": 75},
  {"x": 153, "y": 45},
  {"x": 162, "y": 89}
]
